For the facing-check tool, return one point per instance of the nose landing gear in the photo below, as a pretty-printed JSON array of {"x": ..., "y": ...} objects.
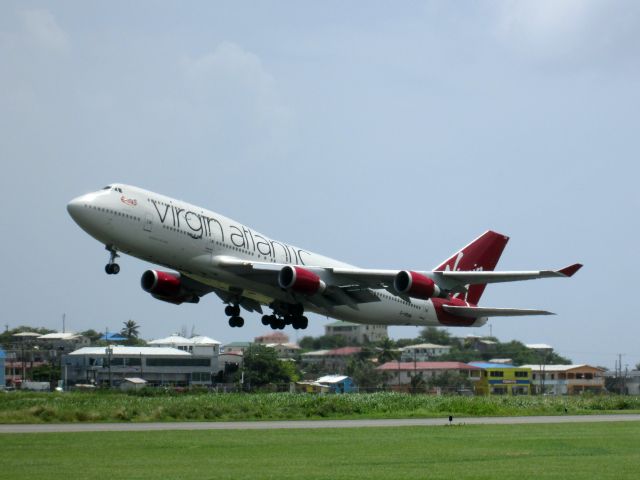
[{"x": 112, "y": 268}]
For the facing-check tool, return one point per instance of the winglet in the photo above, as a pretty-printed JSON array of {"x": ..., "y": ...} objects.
[{"x": 570, "y": 270}]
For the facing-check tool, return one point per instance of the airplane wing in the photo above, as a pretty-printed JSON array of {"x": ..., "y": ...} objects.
[
  {"x": 475, "y": 312},
  {"x": 351, "y": 285}
]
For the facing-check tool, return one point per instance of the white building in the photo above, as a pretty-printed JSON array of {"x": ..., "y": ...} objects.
[
  {"x": 199, "y": 345},
  {"x": 67, "y": 341},
  {"x": 356, "y": 332},
  {"x": 285, "y": 350},
  {"x": 156, "y": 365},
  {"x": 423, "y": 352}
]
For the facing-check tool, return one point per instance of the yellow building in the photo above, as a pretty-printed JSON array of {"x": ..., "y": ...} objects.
[{"x": 500, "y": 379}]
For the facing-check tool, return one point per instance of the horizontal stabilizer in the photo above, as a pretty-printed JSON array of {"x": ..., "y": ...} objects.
[{"x": 475, "y": 312}]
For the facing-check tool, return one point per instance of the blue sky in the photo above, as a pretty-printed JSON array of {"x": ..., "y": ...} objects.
[{"x": 384, "y": 135}]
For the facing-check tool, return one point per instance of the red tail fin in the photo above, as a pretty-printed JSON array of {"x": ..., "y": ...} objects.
[{"x": 481, "y": 254}]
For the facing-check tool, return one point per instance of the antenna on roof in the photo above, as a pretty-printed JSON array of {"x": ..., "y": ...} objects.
[{"x": 64, "y": 317}]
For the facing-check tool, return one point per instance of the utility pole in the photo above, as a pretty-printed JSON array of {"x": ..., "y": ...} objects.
[
  {"x": 620, "y": 373},
  {"x": 64, "y": 317}
]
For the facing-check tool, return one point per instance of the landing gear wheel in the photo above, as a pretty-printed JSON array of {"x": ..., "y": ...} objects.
[
  {"x": 112, "y": 268},
  {"x": 228, "y": 311},
  {"x": 266, "y": 319},
  {"x": 236, "y": 322}
]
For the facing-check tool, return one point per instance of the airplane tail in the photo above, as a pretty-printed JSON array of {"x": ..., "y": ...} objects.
[{"x": 480, "y": 255}]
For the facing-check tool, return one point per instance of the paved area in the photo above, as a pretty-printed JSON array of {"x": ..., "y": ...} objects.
[{"x": 410, "y": 422}]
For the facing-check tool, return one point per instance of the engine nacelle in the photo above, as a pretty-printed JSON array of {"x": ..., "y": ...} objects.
[
  {"x": 300, "y": 280},
  {"x": 415, "y": 285},
  {"x": 166, "y": 286}
]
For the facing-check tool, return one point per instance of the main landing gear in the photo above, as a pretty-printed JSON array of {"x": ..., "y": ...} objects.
[
  {"x": 233, "y": 311},
  {"x": 284, "y": 315},
  {"x": 112, "y": 268}
]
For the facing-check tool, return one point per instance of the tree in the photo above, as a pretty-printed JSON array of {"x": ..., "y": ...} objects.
[
  {"x": 387, "y": 352},
  {"x": 435, "y": 335},
  {"x": 92, "y": 335},
  {"x": 450, "y": 381},
  {"x": 364, "y": 373},
  {"x": 261, "y": 367},
  {"x": 417, "y": 383},
  {"x": 130, "y": 329}
]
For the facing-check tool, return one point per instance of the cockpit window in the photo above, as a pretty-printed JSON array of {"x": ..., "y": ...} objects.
[
  {"x": 108, "y": 187},
  {"x": 118, "y": 189}
]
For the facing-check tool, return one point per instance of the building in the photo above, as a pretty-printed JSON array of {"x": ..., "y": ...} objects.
[
  {"x": 338, "y": 383},
  {"x": 356, "y": 332},
  {"x": 198, "y": 345},
  {"x": 64, "y": 342},
  {"x": 567, "y": 379},
  {"x": 503, "y": 379},
  {"x": 3, "y": 380},
  {"x": 275, "y": 337},
  {"x": 630, "y": 381},
  {"x": 334, "y": 361},
  {"x": 133, "y": 383},
  {"x": 237, "y": 347},
  {"x": 423, "y": 352},
  {"x": 328, "y": 384},
  {"x": 284, "y": 350},
  {"x": 112, "y": 337},
  {"x": 157, "y": 365},
  {"x": 400, "y": 374}
]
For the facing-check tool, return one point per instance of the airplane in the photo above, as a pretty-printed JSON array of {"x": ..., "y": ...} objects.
[{"x": 208, "y": 252}]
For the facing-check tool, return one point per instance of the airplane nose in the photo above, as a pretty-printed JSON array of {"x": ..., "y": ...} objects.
[{"x": 74, "y": 207}]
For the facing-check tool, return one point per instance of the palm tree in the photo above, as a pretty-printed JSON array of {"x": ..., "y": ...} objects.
[
  {"x": 130, "y": 329},
  {"x": 387, "y": 352}
]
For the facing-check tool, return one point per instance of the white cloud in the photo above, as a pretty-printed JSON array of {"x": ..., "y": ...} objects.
[
  {"x": 234, "y": 92},
  {"x": 583, "y": 31},
  {"x": 43, "y": 29}
]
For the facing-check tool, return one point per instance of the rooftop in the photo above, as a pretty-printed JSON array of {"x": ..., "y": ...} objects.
[
  {"x": 395, "y": 366},
  {"x": 59, "y": 336},
  {"x": 487, "y": 365},
  {"x": 136, "y": 380},
  {"x": 341, "y": 323},
  {"x": 332, "y": 379},
  {"x": 425, "y": 345},
  {"x": 560, "y": 368},
  {"x": 122, "y": 350},
  {"x": 183, "y": 341}
]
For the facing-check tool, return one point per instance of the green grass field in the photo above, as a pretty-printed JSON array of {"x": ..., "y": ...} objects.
[
  {"x": 608, "y": 450},
  {"x": 25, "y": 407}
]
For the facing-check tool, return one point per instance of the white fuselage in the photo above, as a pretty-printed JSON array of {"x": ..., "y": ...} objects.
[{"x": 187, "y": 238}]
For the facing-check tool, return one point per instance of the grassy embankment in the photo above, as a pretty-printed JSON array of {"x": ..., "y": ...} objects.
[
  {"x": 607, "y": 450},
  {"x": 23, "y": 407}
]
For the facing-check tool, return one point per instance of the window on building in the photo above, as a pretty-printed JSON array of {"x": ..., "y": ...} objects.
[
  {"x": 496, "y": 373},
  {"x": 522, "y": 374},
  {"x": 178, "y": 362},
  {"x": 200, "y": 377}
]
